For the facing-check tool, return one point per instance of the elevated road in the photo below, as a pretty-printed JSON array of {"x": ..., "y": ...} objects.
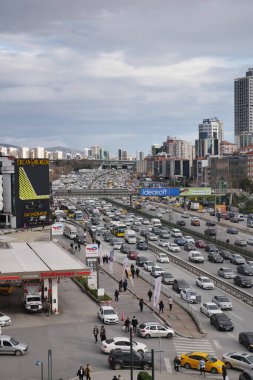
[{"x": 98, "y": 193}]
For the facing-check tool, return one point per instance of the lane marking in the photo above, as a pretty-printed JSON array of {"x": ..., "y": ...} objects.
[
  {"x": 217, "y": 344},
  {"x": 236, "y": 316},
  {"x": 168, "y": 365}
]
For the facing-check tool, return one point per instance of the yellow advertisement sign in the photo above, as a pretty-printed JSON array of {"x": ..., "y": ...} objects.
[{"x": 191, "y": 191}]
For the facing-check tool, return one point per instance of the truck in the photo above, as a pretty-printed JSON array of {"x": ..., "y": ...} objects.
[
  {"x": 130, "y": 236},
  {"x": 70, "y": 231},
  {"x": 32, "y": 298},
  {"x": 194, "y": 206}
]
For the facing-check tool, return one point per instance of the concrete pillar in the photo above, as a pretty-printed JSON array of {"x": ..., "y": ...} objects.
[
  {"x": 55, "y": 296},
  {"x": 45, "y": 288}
]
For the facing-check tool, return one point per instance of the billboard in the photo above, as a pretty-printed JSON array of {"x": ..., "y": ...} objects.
[
  {"x": 57, "y": 229},
  {"x": 188, "y": 191},
  {"x": 91, "y": 250},
  {"x": 31, "y": 192},
  {"x": 159, "y": 192}
]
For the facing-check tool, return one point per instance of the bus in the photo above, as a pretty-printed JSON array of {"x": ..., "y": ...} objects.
[
  {"x": 78, "y": 215},
  {"x": 118, "y": 228}
]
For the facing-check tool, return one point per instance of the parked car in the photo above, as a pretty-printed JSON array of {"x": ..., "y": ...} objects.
[
  {"x": 4, "y": 320},
  {"x": 246, "y": 375},
  {"x": 162, "y": 258},
  {"x": 232, "y": 230},
  {"x": 200, "y": 244},
  {"x": 237, "y": 259},
  {"x": 245, "y": 270},
  {"x": 221, "y": 322},
  {"x": 240, "y": 242},
  {"x": 179, "y": 285},
  {"x": 215, "y": 257},
  {"x": 8, "y": 345},
  {"x": 140, "y": 260},
  {"x": 238, "y": 360},
  {"x": 209, "y": 308},
  {"x": 222, "y": 302},
  {"x": 154, "y": 330},
  {"x": 108, "y": 315},
  {"x": 167, "y": 278},
  {"x": 189, "y": 295},
  {"x": 204, "y": 282},
  {"x": 243, "y": 282},
  {"x": 246, "y": 339},
  {"x": 173, "y": 247},
  {"x": 226, "y": 273},
  {"x": 119, "y": 359},
  {"x": 191, "y": 360},
  {"x": 123, "y": 343}
]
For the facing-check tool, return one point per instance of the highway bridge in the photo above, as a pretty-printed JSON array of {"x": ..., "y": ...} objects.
[{"x": 89, "y": 193}]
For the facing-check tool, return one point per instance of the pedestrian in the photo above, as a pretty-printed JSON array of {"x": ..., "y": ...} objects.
[
  {"x": 137, "y": 272},
  {"x": 141, "y": 303},
  {"x": 76, "y": 246},
  {"x": 134, "y": 324},
  {"x": 126, "y": 273},
  {"x": 224, "y": 372},
  {"x": 95, "y": 333},
  {"x": 125, "y": 284},
  {"x": 227, "y": 241},
  {"x": 79, "y": 247},
  {"x": 132, "y": 267},
  {"x": 150, "y": 293},
  {"x": 177, "y": 363},
  {"x": 127, "y": 324},
  {"x": 133, "y": 272},
  {"x": 80, "y": 373},
  {"x": 102, "y": 333},
  {"x": 116, "y": 295},
  {"x": 114, "y": 377},
  {"x": 87, "y": 372},
  {"x": 170, "y": 303},
  {"x": 120, "y": 285},
  {"x": 161, "y": 306},
  {"x": 98, "y": 243},
  {"x": 71, "y": 245},
  {"x": 202, "y": 365},
  {"x": 48, "y": 308}
]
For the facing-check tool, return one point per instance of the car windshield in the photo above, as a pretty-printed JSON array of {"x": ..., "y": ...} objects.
[
  {"x": 211, "y": 358},
  {"x": 108, "y": 341},
  {"x": 227, "y": 270},
  {"x": 250, "y": 358},
  {"x": 14, "y": 342},
  {"x": 212, "y": 307},
  {"x": 169, "y": 275},
  {"x": 206, "y": 280},
  {"x": 109, "y": 312},
  {"x": 223, "y": 299}
]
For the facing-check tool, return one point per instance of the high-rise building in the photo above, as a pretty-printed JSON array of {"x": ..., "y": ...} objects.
[
  {"x": 140, "y": 156},
  {"x": 96, "y": 152},
  {"x": 211, "y": 134},
  {"x": 39, "y": 152},
  {"x": 243, "y": 105}
]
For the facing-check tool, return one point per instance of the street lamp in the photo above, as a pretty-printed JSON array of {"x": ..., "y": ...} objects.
[{"x": 40, "y": 363}]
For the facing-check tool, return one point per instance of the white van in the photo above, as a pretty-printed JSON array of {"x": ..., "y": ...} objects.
[
  {"x": 130, "y": 236},
  {"x": 156, "y": 222},
  {"x": 196, "y": 257}
]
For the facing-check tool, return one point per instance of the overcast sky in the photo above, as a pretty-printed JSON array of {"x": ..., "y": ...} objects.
[{"x": 119, "y": 73}]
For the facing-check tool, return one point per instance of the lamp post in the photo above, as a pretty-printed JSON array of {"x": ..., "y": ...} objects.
[
  {"x": 131, "y": 353},
  {"x": 40, "y": 363}
]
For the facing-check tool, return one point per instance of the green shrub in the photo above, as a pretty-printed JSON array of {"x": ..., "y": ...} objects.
[
  {"x": 144, "y": 376},
  {"x": 83, "y": 281}
]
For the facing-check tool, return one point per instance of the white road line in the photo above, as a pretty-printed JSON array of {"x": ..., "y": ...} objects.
[
  {"x": 217, "y": 344},
  {"x": 168, "y": 365},
  {"x": 236, "y": 316}
]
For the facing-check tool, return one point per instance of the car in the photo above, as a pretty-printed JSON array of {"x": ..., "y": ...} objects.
[
  {"x": 209, "y": 308},
  {"x": 108, "y": 315},
  {"x": 156, "y": 271},
  {"x": 140, "y": 260},
  {"x": 123, "y": 343},
  {"x": 246, "y": 339},
  {"x": 4, "y": 320},
  {"x": 162, "y": 258},
  {"x": 164, "y": 234},
  {"x": 179, "y": 285},
  {"x": 167, "y": 278},
  {"x": 240, "y": 242},
  {"x": 125, "y": 248},
  {"x": 190, "y": 360},
  {"x": 211, "y": 248},
  {"x": 8, "y": 345},
  {"x": 144, "y": 232},
  {"x": 250, "y": 262},
  {"x": 204, "y": 282},
  {"x": 196, "y": 256},
  {"x": 173, "y": 247},
  {"x": 243, "y": 282},
  {"x": 210, "y": 223},
  {"x": 250, "y": 241},
  {"x": 246, "y": 375},
  {"x": 142, "y": 245},
  {"x": 117, "y": 244},
  {"x": 185, "y": 215},
  {"x": 210, "y": 232},
  {"x": 189, "y": 247},
  {"x": 238, "y": 360},
  {"x": 119, "y": 359},
  {"x": 154, "y": 330},
  {"x": 195, "y": 222},
  {"x": 225, "y": 254},
  {"x": 148, "y": 265},
  {"x": 237, "y": 259},
  {"x": 156, "y": 230},
  {"x": 245, "y": 270},
  {"x": 189, "y": 239},
  {"x": 222, "y": 302},
  {"x": 215, "y": 257},
  {"x": 226, "y": 272},
  {"x": 232, "y": 230},
  {"x": 152, "y": 237},
  {"x": 200, "y": 244},
  {"x": 189, "y": 295},
  {"x": 163, "y": 242},
  {"x": 234, "y": 219},
  {"x": 221, "y": 322},
  {"x": 176, "y": 232},
  {"x": 181, "y": 223},
  {"x": 132, "y": 255},
  {"x": 180, "y": 241}
]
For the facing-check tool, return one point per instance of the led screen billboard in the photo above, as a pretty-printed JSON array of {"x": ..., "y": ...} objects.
[{"x": 31, "y": 192}]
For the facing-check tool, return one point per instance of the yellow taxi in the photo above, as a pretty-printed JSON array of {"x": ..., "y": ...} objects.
[{"x": 191, "y": 360}]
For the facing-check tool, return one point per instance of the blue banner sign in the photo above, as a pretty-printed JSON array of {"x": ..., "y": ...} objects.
[{"x": 159, "y": 192}]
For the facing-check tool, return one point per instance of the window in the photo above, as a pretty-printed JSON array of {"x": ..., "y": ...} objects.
[{"x": 6, "y": 343}]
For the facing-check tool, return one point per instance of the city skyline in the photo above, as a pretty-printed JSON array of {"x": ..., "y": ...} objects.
[{"x": 119, "y": 74}]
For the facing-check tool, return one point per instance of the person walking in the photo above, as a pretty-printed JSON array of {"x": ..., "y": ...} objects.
[
  {"x": 80, "y": 373},
  {"x": 88, "y": 372},
  {"x": 150, "y": 293},
  {"x": 95, "y": 333},
  {"x": 224, "y": 372},
  {"x": 102, "y": 333},
  {"x": 202, "y": 365},
  {"x": 120, "y": 285},
  {"x": 141, "y": 303},
  {"x": 177, "y": 363},
  {"x": 114, "y": 377},
  {"x": 137, "y": 272},
  {"x": 125, "y": 284},
  {"x": 134, "y": 324},
  {"x": 133, "y": 272},
  {"x": 79, "y": 247},
  {"x": 127, "y": 324},
  {"x": 170, "y": 303},
  {"x": 161, "y": 306},
  {"x": 116, "y": 295}
]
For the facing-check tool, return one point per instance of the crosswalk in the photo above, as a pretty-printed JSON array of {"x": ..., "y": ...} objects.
[{"x": 187, "y": 345}]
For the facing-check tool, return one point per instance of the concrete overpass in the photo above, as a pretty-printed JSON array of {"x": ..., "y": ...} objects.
[{"x": 97, "y": 193}]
